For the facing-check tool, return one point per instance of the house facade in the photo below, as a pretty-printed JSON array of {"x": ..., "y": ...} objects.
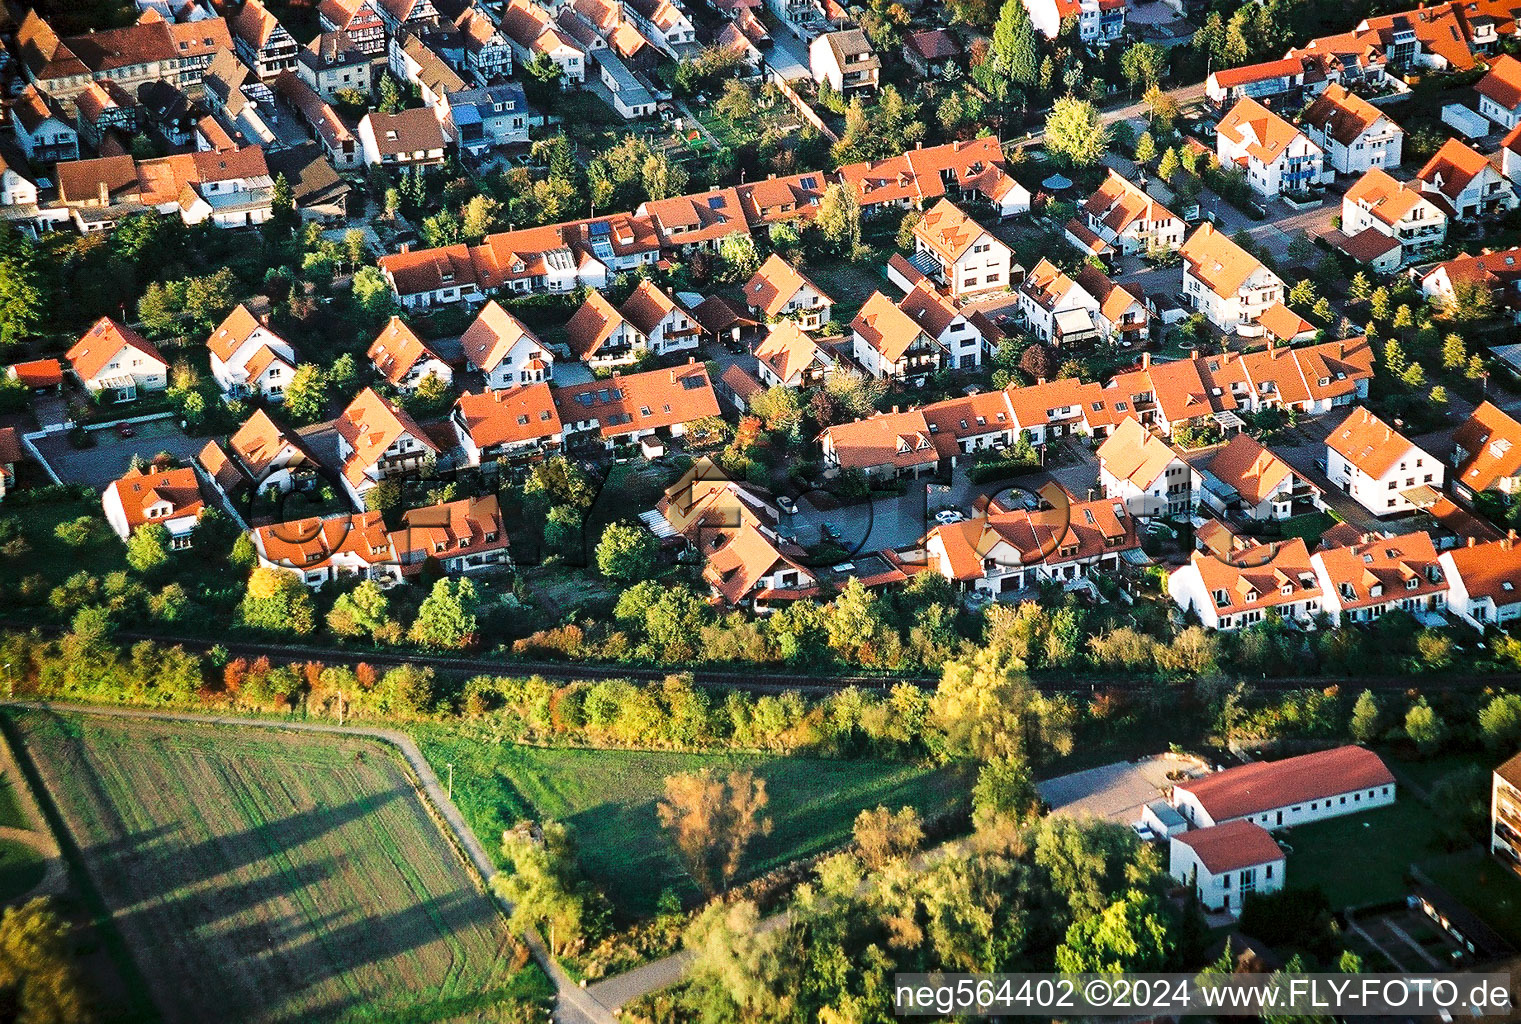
[
  {"x": 1227, "y": 284},
  {"x": 114, "y": 361},
  {"x": 1377, "y": 467},
  {"x": 1355, "y": 135},
  {"x": 1227, "y": 863},
  {"x": 959, "y": 253},
  {"x": 1277, "y": 158},
  {"x": 509, "y": 355}
]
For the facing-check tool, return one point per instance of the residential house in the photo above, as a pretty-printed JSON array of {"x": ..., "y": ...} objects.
[
  {"x": 1500, "y": 92},
  {"x": 336, "y": 548},
  {"x": 1280, "y": 82},
  {"x": 487, "y": 118},
  {"x": 846, "y": 61},
  {"x": 40, "y": 375},
  {"x": 696, "y": 221},
  {"x": 228, "y": 188},
  {"x": 411, "y": 60},
  {"x": 531, "y": 31},
  {"x": 1377, "y": 466},
  {"x": 631, "y": 97},
  {"x": 167, "y": 114},
  {"x": 261, "y": 41},
  {"x": 42, "y": 130},
  {"x": 887, "y": 445},
  {"x": 649, "y": 322},
  {"x": 1484, "y": 581},
  {"x": 1226, "y": 864},
  {"x": 242, "y": 104},
  {"x": 1510, "y": 155},
  {"x": 1293, "y": 791},
  {"x": 959, "y": 253},
  {"x": 488, "y": 53},
  {"x": 510, "y": 425},
  {"x": 792, "y": 198},
  {"x": 1278, "y": 158},
  {"x": 331, "y": 131},
  {"x": 1505, "y": 813},
  {"x": 411, "y": 138},
  {"x": 272, "y": 456},
  {"x": 509, "y": 355},
  {"x": 1063, "y": 541},
  {"x": 1497, "y": 274},
  {"x": 320, "y": 195},
  {"x": 889, "y": 344},
  {"x": 104, "y": 109},
  {"x": 407, "y": 14},
  {"x": 971, "y": 171},
  {"x": 1057, "y": 309},
  {"x": 755, "y": 567},
  {"x": 11, "y": 454},
  {"x": 335, "y": 62},
  {"x": 780, "y": 291},
  {"x": 151, "y": 50},
  {"x": 1355, "y": 135},
  {"x": 1414, "y": 218},
  {"x": 377, "y": 439},
  {"x": 404, "y": 359},
  {"x": 1226, "y": 283},
  {"x": 803, "y": 18},
  {"x": 248, "y": 359},
  {"x": 113, "y": 360},
  {"x": 1258, "y": 485},
  {"x": 1470, "y": 184},
  {"x": 1246, "y": 585},
  {"x": 1487, "y": 454},
  {"x": 964, "y": 336},
  {"x": 462, "y": 536},
  {"x": 665, "y": 324},
  {"x": 1099, "y": 22},
  {"x": 970, "y": 423},
  {"x": 931, "y": 51},
  {"x": 170, "y": 497},
  {"x": 1365, "y": 581},
  {"x": 1140, "y": 469},
  {"x": 638, "y": 408},
  {"x": 1125, "y": 216},
  {"x": 18, "y": 185},
  {"x": 1121, "y": 317},
  {"x": 359, "y": 20},
  {"x": 1063, "y": 408},
  {"x": 790, "y": 358}
]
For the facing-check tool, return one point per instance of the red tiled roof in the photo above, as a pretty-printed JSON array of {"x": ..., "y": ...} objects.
[
  {"x": 1268, "y": 785},
  {"x": 1231, "y": 847}
]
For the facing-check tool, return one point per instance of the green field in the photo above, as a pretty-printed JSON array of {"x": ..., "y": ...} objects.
[
  {"x": 609, "y": 797},
  {"x": 256, "y": 875},
  {"x": 1386, "y": 842}
]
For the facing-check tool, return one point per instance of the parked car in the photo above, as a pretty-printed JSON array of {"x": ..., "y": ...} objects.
[
  {"x": 787, "y": 505},
  {"x": 947, "y": 516},
  {"x": 829, "y": 531}
]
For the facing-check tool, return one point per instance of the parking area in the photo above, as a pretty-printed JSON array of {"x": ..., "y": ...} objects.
[
  {"x": 887, "y": 521},
  {"x": 1117, "y": 792},
  {"x": 111, "y": 454}
]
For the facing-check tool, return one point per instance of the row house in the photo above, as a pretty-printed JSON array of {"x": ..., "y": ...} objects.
[
  {"x": 333, "y": 549},
  {"x": 229, "y": 188},
  {"x": 960, "y": 254},
  {"x": 1378, "y": 467},
  {"x": 1414, "y": 218},
  {"x": 1510, "y": 156},
  {"x": 262, "y": 42},
  {"x": 45, "y": 134},
  {"x": 531, "y": 31},
  {"x": 780, "y": 291},
  {"x": 890, "y": 345},
  {"x": 152, "y": 50},
  {"x": 248, "y": 359},
  {"x": 511, "y": 425},
  {"x": 1280, "y": 82},
  {"x": 1063, "y": 408},
  {"x": 338, "y": 143},
  {"x": 700, "y": 221},
  {"x": 462, "y": 536},
  {"x": 1367, "y": 580},
  {"x": 638, "y": 408},
  {"x": 1125, "y": 216},
  {"x": 165, "y": 496},
  {"x": 1484, "y": 581},
  {"x": 1121, "y": 317},
  {"x": 1487, "y": 454},
  {"x": 487, "y": 118},
  {"x": 1057, "y": 309},
  {"x": 1099, "y": 22},
  {"x": 1278, "y": 158},
  {"x": 1243, "y": 589},
  {"x": 488, "y": 52},
  {"x": 650, "y": 322},
  {"x": 1226, "y": 283},
  {"x": 970, "y": 424},
  {"x": 788, "y": 357},
  {"x": 663, "y": 22},
  {"x": 1355, "y": 135},
  {"x": 114, "y": 361},
  {"x": 102, "y": 109},
  {"x": 1141, "y": 470},
  {"x": 885, "y": 446},
  {"x": 792, "y": 198},
  {"x": 398, "y": 15},
  {"x": 970, "y": 171},
  {"x": 359, "y": 20},
  {"x": 1062, "y": 541},
  {"x": 404, "y": 360},
  {"x": 377, "y": 439},
  {"x": 335, "y": 62},
  {"x": 964, "y": 336},
  {"x": 1247, "y": 481},
  {"x": 411, "y": 60},
  {"x": 1467, "y": 181},
  {"x": 498, "y": 346}
]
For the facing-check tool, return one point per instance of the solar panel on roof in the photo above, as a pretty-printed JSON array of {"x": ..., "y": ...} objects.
[
  {"x": 601, "y": 227},
  {"x": 715, "y": 202}
]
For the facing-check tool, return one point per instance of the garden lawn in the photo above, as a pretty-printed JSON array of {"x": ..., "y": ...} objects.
[
  {"x": 1362, "y": 858},
  {"x": 1308, "y": 527},
  {"x": 609, "y": 797},
  {"x": 1484, "y": 885},
  {"x": 56, "y": 561},
  {"x": 848, "y": 284}
]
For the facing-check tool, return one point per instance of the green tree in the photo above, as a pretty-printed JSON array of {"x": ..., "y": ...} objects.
[
  {"x": 882, "y": 837},
  {"x": 343, "y": 375},
  {"x": 739, "y": 256},
  {"x": 562, "y": 530},
  {"x": 1366, "y": 724},
  {"x": 39, "y": 981},
  {"x": 1167, "y": 169},
  {"x": 148, "y": 547},
  {"x": 1360, "y": 288},
  {"x": 1143, "y": 65},
  {"x": 985, "y": 708},
  {"x": 276, "y": 601},
  {"x": 282, "y": 203},
  {"x": 626, "y": 553},
  {"x": 1454, "y": 352},
  {"x": 306, "y": 394},
  {"x": 1145, "y": 149},
  {"x": 479, "y": 218},
  {"x": 1131, "y": 934},
  {"x": 22, "y": 299},
  {"x": 839, "y": 219},
  {"x": 1475, "y": 368},
  {"x": 391, "y": 99},
  {"x": 1004, "y": 794},
  {"x": 1500, "y": 722},
  {"x": 779, "y": 408},
  {"x": 542, "y": 887},
  {"x": 446, "y": 618},
  {"x": 1424, "y": 726},
  {"x": 1438, "y": 396},
  {"x": 372, "y": 293},
  {"x": 1075, "y": 132},
  {"x": 1013, "y": 58},
  {"x": 1413, "y": 376},
  {"x": 1303, "y": 293},
  {"x": 361, "y": 612}
]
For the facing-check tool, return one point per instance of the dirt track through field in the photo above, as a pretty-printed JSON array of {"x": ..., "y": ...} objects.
[{"x": 265, "y": 876}]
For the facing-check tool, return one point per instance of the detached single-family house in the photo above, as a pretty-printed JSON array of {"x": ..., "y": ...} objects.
[
  {"x": 1466, "y": 179},
  {"x": 169, "y": 497},
  {"x": 1226, "y": 283},
  {"x": 959, "y": 253},
  {"x": 1121, "y": 317},
  {"x": 1277, "y": 157},
  {"x": 1487, "y": 454},
  {"x": 1261, "y": 485},
  {"x": 846, "y": 61},
  {"x": 1099, "y": 22},
  {"x": 1227, "y": 863},
  {"x": 790, "y": 358},
  {"x": 1057, "y": 308},
  {"x": 1414, "y": 218},
  {"x": 531, "y": 31},
  {"x": 1240, "y": 588},
  {"x": 248, "y": 359},
  {"x": 1377, "y": 466},
  {"x": 889, "y": 344},
  {"x": 271, "y": 456},
  {"x": 1355, "y": 135},
  {"x": 1500, "y": 92},
  {"x": 411, "y": 138},
  {"x": 779, "y": 290},
  {"x": 404, "y": 359},
  {"x": 1140, "y": 469},
  {"x": 964, "y": 336},
  {"x": 931, "y": 51},
  {"x": 376, "y": 439},
  {"x": 114, "y": 361},
  {"x": 514, "y": 425},
  {"x": 1484, "y": 581},
  {"x": 1124, "y": 215},
  {"x": 498, "y": 345},
  {"x": 755, "y": 567}
]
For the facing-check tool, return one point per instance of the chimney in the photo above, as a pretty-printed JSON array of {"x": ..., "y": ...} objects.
[
  {"x": 105, "y": 194},
  {"x": 1145, "y": 360},
  {"x": 673, "y": 375},
  {"x": 406, "y": 247}
]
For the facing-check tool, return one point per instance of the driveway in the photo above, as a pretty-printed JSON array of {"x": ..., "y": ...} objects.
[
  {"x": 1116, "y": 792},
  {"x": 788, "y": 55},
  {"x": 112, "y": 454},
  {"x": 887, "y": 521}
]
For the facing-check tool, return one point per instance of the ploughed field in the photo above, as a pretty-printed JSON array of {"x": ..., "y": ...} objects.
[{"x": 256, "y": 875}]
